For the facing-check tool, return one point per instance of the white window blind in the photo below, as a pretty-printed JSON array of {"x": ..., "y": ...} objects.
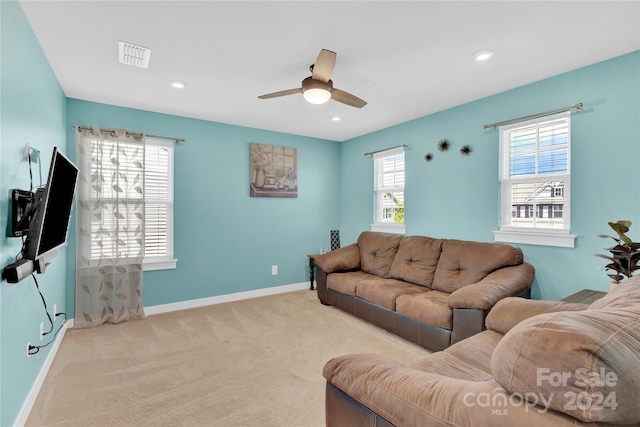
[
  {"x": 535, "y": 175},
  {"x": 158, "y": 200},
  {"x": 157, "y": 187},
  {"x": 389, "y": 180}
]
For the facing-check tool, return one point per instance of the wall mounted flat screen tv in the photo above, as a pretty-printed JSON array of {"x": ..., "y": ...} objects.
[{"x": 49, "y": 227}]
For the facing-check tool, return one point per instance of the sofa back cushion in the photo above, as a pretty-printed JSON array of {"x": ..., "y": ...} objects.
[
  {"x": 582, "y": 363},
  {"x": 462, "y": 263},
  {"x": 377, "y": 251},
  {"x": 416, "y": 260}
]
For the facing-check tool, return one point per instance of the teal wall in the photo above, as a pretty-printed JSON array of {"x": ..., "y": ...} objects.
[
  {"x": 33, "y": 112},
  {"x": 225, "y": 240},
  {"x": 456, "y": 196}
]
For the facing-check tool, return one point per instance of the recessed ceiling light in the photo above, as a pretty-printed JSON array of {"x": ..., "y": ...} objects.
[
  {"x": 335, "y": 118},
  {"x": 482, "y": 55},
  {"x": 178, "y": 84}
]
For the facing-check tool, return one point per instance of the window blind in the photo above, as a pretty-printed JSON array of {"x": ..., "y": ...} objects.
[
  {"x": 535, "y": 173},
  {"x": 389, "y": 184},
  {"x": 158, "y": 200},
  {"x": 121, "y": 163}
]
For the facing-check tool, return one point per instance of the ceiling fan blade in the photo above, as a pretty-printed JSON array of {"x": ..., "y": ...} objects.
[
  {"x": 347, "y": 98},
  {"x": 323, "y": 68},
  {"x": 281, "y": 93}
]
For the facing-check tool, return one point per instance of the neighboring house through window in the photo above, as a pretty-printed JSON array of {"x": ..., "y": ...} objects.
[
  {"x": 535, "y": 182},
  {"x": 389, "y": 191}
]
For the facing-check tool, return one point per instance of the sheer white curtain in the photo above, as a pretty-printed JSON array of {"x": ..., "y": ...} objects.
[{"x": 109, "y": 226}]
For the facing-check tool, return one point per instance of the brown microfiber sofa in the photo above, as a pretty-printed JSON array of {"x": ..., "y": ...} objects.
[
  {"x": 434, "y": 292},
  {"x": 574, "y": 365}
]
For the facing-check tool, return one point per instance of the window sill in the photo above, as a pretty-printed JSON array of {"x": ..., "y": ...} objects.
[
  {"x": 165, "y": 264},
  {"x": 384, "y": 227},
  {"x": 536, "y": 238}
]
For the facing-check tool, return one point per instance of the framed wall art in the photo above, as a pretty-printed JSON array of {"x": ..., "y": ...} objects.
[{"x": 274, "y": 171}]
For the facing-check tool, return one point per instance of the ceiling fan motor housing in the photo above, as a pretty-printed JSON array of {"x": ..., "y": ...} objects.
[{"x": 311, "y": 83}]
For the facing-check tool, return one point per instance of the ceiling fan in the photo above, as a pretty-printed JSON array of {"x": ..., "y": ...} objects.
[{"x": 318, "y": 88}]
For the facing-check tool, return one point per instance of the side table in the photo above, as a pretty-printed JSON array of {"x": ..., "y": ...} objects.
[
  {"x": 312, "y": 269},
  {"x": 585, "y": 296}
]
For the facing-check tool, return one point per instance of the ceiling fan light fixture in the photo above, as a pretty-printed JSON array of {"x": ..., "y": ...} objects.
[
  {"x": 317, "y": 95},
  {"x": 316, "y": 91}
]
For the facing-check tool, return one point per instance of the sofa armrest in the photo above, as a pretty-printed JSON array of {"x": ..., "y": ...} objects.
[
  {"x": 346, "y": 258},
  {"x": 409, "y": 397},
  {"x": 510, "y": 311},
  {"x": 504, "y": 282}
]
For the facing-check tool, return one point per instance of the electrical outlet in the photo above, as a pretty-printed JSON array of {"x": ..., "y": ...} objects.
[
  {"x": 274, "y": 270},
  {"x": 28, "y": 348},
  {"x": 41, "y": 330},
  {"x": 30, "y": 151},
  {"x": 55, "y": 310}
]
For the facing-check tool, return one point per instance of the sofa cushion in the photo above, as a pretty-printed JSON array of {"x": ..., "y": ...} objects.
[
  {"x": 477, "y": 349},
  {"x": 510, "y": 311},
  {"x": 384, "y": 292},
  {"x": 450, "y": 366},
  {"x": 462, "y": 263},
  {"x": 416, "y": 260},
  {"x": 377, "y": 251},
  {"x": 429, "y": 307},
  {"x": 584, "y": 363},
  {"x": 622, "y": 295},
  {"x": 345, "y": 283}
]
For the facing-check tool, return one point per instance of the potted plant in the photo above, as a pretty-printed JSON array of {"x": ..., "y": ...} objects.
[{"x": 625, "y": 255}]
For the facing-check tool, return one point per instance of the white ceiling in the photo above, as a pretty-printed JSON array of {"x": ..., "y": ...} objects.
[{"x": 406, "y": 59}]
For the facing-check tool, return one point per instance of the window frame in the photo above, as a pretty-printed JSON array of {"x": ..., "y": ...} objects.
[
  {"x": 379, "y": 224},
  {"x": 535, "y": 235},
  {"x": 166, "y": 262}
]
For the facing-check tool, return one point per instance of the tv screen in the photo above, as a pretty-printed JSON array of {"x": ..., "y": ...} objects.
[{"x": 49, "y": 227}]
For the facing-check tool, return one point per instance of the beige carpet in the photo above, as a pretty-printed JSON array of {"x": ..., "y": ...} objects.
[{"x": 255, "y": 362}]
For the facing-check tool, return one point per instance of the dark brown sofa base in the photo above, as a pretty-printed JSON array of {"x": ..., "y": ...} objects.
[
  {"x": 428, "y": 336},
  {"x": 343, "y": 411},
  {"x": 466, "y": 322}
]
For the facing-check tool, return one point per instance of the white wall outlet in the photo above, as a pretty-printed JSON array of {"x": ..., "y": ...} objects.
[
  {"x": 55, "y": 310},
  {"x": 28, "y": 348},
  {"x": 274, "y": 270},
  {"x": 41, "y": 330}
]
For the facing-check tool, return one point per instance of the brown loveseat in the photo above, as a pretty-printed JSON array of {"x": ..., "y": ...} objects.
[
  {"x": 538, "y": 364},
  {"x": 434, "y": 292}
]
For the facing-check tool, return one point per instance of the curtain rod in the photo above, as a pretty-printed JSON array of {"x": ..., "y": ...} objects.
[
  {"x": 535, "y": 116},
  {"x": 390, "y": 148},
  {"x": 177, "y": 140}
]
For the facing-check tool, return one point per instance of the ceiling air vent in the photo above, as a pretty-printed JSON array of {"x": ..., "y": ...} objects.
[{"x": 136, "y": 56}]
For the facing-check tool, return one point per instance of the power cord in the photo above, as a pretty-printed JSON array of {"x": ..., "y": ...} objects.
[
  {"x": 34, "y": 349},
  {"x": 30, "y": 170}
]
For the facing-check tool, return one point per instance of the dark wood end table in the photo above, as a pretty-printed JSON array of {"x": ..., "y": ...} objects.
[
  {"x": 312, "y": 269},
  {"x": 585, "y": 296}
]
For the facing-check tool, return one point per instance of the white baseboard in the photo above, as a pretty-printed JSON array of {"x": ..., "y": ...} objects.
[
  {"x": 184, "y": 305},
  {"x": 155, "y": 309},
  {"x": 37, "y": 385}
]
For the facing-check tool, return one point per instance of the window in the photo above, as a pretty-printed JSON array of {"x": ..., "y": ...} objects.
[
  {"x": 389, "y": 191},
  {"x": 158, "y": 189},
  {"x": 535, "y": 182},
  {"x": 158, "y": 198}
]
